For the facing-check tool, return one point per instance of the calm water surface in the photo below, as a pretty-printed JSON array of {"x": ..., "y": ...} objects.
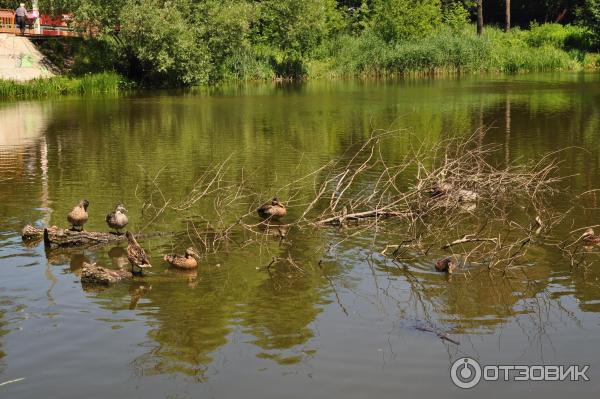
[{"x": 347, "y": 329}]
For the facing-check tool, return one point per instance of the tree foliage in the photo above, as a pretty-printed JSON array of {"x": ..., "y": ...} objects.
[
  {"x": 401, "y": 19},
  {"x": 183, "y": 42}
]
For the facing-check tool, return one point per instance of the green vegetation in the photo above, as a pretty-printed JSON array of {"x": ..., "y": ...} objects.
[
  {"x": 543, "y": 48},
  {"x": 192, "y": 42},
  {"x": 104, "y": 82}
]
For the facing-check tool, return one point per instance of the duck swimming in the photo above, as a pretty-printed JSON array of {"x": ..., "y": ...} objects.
[
  {"x": 445, "y": 265},
  {"x": 272, "y": 210},
  {"x": 79, "y": 216},
  {"x": 589, "y": 238},
  {"x": 136, "y": 255},
  {"x": 117, "y": 219},
  {"x": 187, "y": 261}
]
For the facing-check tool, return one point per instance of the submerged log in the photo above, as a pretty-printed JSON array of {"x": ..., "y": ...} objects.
[
  {"x": 94, "y": 274},
  {"x": 57, "y": 237}
]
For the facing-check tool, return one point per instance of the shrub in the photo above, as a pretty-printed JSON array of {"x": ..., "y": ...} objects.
[
  {"x": 162, "y": 47},
  {"x": 396, "y": 20},
  {"x": 559, "y": 36}
]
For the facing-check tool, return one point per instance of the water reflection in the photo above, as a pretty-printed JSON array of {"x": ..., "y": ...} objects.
[
  {"x": 23, "y": 149},
  {"x": 100, "y": 148}
]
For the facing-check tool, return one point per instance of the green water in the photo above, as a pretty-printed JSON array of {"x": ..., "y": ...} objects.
[{"x": 349, "y": 327}]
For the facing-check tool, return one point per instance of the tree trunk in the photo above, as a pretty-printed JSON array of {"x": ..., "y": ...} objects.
[
  {"x": 507, "y": 17},
  {"x": 479, "y": 17},
  {"x": 560, "y": 16}
]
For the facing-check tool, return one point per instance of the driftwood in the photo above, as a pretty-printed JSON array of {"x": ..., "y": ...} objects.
[
  {"x": 58, "y": 237},
  {"x": 94, "y": 274},
  {"x": 337, "y": 220},
  {"x": 469, "y": 238}
]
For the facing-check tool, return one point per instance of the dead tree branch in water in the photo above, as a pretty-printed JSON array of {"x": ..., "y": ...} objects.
[{"x": 434, "y": 192}]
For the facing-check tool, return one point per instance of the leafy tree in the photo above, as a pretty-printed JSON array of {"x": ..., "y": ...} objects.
[
  {"x": 402, "y": 19},
  {"x": 163, "y": 46},
  {"x": 456, "y": 16},
  {"x": 589, "y": 15},
  {"x": 288, "y": 30},
  {"x": 225, "y": 27}
]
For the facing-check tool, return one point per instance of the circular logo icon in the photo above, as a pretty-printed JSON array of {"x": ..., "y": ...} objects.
[{"x": 465, "y": 372}]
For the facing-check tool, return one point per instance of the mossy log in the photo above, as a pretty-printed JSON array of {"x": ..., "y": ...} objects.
[
  {"x": 94, "y": 274},
  {"x": 57, "y": 237}
]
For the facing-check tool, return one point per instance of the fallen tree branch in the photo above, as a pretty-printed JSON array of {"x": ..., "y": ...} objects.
[
  {"x": 58, "y": 237},
  {"x": 469, "y": 238},
  {"x": 337, "y": 220},
  {"x": 94, "y": 274}
]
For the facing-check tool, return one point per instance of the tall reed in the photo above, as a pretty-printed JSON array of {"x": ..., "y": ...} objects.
[{"x": 104, "y": 82}]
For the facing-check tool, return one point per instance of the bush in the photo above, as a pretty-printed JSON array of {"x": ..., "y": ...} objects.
[
  {"x": 163, "y": 49},
  {"x": 456, "y": 17},
  {"x": 589, "y": 16},
  {"x": 396, "y": 20},
  {"x": 560, "y": 36}
]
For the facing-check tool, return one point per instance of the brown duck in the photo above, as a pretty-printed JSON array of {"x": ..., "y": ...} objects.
[
  {"x": 79, "y": 216},
  {"x": 136, "y": 255},
  {"x": 589, "y": 238},
  {"x": 272, "y": 210},
  {"x": 445, "y": 265},
  {"x": 187, "y": 261},
  {"x": 117, "y": 219}
]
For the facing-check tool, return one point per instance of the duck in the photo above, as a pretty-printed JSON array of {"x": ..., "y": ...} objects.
[
  {"x": 589, "y": 238},
  {"x": 441, "y": 189},
  {"x": 136, "y": 255},
  {"x": 445, "y": 265},
  {"x": 117, "y": 219},
  {"x": 448, "y": 190},
  {"x": 187, "y": 261},
  {"x": 272, "y": 210},
  {"x": 78, "y": 216}
]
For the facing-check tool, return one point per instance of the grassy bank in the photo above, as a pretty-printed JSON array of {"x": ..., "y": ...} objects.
[
  {"x": 104, "y": 82},
  {"x": 549, "y": 47},
  {"x": 445, "y": 51}
]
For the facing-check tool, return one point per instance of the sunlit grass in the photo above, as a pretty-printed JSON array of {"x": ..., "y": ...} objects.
[{"x": 104, "y": 82}]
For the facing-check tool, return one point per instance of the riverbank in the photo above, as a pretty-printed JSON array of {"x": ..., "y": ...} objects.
[
  {"x": 543, "y": 48},
  {"x": 103, "y": 82}
]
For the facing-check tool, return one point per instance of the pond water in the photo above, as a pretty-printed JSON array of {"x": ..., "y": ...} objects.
[{"x": 349, "y": 323}]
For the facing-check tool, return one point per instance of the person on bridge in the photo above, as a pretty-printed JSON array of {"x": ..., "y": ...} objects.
[{"x": 20, "y": 16}]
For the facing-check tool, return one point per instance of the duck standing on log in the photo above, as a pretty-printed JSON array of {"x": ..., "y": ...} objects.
[
  {"x": 117, "y": 219},
  {"x": 272, "y": 210},
  {"x": 187, "y": 261},
  {"x": 136, "y": 255},
  {"x": 78, "y": 216}
]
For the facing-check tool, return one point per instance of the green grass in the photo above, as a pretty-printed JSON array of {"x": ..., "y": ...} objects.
[
  {"x": 104, "y": 82},
  {"x": 549, "y": 47}
]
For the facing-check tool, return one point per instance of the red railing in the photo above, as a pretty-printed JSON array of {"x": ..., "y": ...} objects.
[{"x": 49, "y": 26}]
